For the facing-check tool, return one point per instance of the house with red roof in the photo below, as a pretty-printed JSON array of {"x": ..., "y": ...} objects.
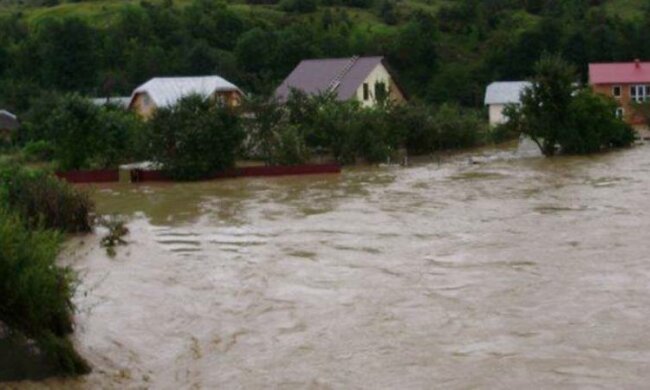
[
  {"x": 627, "y": 83},
  {"x": 364, "y": 79}
]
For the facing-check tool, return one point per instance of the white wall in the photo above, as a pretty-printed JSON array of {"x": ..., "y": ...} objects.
[
  {"x": 378, "y": 75},
  {"x": 496, "y": 114}
]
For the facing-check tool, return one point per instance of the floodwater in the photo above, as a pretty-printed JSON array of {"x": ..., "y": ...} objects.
[{"x": 494, "y": 271}]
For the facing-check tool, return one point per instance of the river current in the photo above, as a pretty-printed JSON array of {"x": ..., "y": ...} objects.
[{"x": 479, "y": 270}]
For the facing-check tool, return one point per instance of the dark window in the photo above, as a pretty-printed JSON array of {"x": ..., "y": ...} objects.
[
  {"x": 366, "y": 91},
  {"x": 616, "y": 91}
]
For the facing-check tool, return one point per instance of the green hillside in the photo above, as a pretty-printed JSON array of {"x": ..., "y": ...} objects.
[{"x": 442, "y": 50}]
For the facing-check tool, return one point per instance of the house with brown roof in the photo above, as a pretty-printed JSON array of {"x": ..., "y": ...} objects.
[
  {"x": 627, "y": 83},
  {"x": 364, "y": 79},
  {"x": 8, "y": 124}
]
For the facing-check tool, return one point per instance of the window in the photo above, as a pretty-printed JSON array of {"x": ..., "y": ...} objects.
[
  {"x": 640, "y": 93},
  {"x": 620, "y": 111},
  {"x": 366, "y": 91},
  {"x": 380, "y": 91},
  {"x": 616, "y": 91}
]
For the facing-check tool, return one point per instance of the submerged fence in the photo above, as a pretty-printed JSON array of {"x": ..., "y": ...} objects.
[{"x": 141, "y": 175}]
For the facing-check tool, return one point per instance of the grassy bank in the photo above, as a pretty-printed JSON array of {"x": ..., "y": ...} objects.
[{"x": 35, "y": 211}]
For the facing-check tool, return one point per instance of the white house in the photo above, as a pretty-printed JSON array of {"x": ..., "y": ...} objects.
[
  {"x": 501, "y": 93},
  {"x": 167, "y": 91}
]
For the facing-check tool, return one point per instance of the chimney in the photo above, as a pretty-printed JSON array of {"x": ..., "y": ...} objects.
[{"x": 637, "y": 63}]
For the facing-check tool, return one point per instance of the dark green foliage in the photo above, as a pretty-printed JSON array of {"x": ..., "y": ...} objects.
[
  {"x": 45, "y": 201},
  {"x": 432, "y": 129},
  {"x": 36, "y": 294},
  {"x": 82, "y": 134},
  {"x": 593, "y": 126},
  {"x": 350, "y": 132},
  {"x": 558, "y": 117},
  {"x": 194, "y": 138},
  {"x": 271, "y": 136},
  {"x": 38, "y": 151},
  {"x": 448, "y": 56},
  {"x": 299, "y": 6}
]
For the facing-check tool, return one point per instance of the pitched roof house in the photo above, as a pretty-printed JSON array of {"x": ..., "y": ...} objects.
[
  {"x": 8, "y": 124},
  {"x": 501, "y": 93},
  {"x": 167, "y": 91},
  {"x": 355, "y": 78},
  {"x": 626, "y": 82}
]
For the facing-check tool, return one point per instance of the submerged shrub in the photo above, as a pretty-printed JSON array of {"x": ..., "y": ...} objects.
[
  {"x": 195, "y": 138},
  {"x": 46, "y": 201},
  {"x": 37, "y": 294},
  {"x": 83, "y": 135},
  {"x": 116, "y": 231}
]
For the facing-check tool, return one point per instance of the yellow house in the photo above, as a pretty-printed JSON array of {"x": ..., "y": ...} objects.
[
  {"x": 364, "y": 79},
  {"x": 167, "y": 91}
]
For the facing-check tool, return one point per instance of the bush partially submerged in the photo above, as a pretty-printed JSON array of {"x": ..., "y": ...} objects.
[
  {"x": 559, "y": 117},
  {"x": 36, "y": 294},
  {"x": 194, "y": 138},
  {"x": 349, "y": 131},
  {"x": 116, "y": 231},
  {"x": 46, "y": 201}
]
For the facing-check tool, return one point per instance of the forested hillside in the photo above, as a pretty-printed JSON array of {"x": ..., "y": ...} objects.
[{"x": 442, "y": 50}]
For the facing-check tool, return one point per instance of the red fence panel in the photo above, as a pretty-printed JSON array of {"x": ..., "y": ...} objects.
[{"x": 139, "y": 176}]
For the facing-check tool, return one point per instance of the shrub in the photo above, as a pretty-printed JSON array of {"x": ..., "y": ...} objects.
[
  {"x": 46, "y": 201},
  {"x": 36, "y": 294},
  {"x": 448, "y": 127},
  {"x": 271, "y": 137},
  {"x": 194, "y": 138},
  {"x": 38, "y": 151},
  {"x": 457, "y": 128},
  {"x": 558, "y": 117},
  {"x": 83, "y": 135}
]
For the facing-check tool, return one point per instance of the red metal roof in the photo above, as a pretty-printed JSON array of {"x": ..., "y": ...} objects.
[{"x": 619, "y": 73}]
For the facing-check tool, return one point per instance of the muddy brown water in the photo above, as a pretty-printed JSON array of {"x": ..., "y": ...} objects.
[{"x": 507, "y": 272}]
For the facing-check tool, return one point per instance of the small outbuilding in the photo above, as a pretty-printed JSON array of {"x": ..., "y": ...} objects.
[
  {"x": 501, "y": 93},
  {"x": 167, "y": 91},
  {"x": 362, "y": 79},
  {"x": 8, "y": 124}
]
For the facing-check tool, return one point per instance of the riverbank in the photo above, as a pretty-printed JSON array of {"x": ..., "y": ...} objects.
[{"x": 500, "y": 273}]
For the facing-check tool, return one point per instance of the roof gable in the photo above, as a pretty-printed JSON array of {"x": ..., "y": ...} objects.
[
  {"x": 8, "y": 121},
  {"x": 321, "y": 75},
  {"x": 505, "y": 92},
  {"x": 619, "y": 73},
  {"x": 167, "y": 91}
]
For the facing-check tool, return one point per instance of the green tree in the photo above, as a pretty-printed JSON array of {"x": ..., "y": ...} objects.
[
  {"x": 558, "y": 117},
  {"x": 195, "y": 138}
]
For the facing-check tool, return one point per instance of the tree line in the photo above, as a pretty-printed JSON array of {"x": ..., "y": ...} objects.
[{"x": 443, "y": 56}]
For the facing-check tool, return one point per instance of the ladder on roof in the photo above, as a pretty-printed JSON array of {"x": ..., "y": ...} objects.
[{"x": 336, "y": 81}]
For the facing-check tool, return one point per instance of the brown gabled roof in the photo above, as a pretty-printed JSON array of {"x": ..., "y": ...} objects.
[
  {"x": 8, "y": 121},
  {"x": 343, "y": 76}
]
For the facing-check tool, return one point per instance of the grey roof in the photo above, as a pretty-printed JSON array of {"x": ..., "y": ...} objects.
[
  {"x": 8, "y": 121},
  {"x": 342, "y": 75},
  {"x": 504, "y": 92},
  {"x": 166, "y": 91},
  {"x": 120, "y": 101}
]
